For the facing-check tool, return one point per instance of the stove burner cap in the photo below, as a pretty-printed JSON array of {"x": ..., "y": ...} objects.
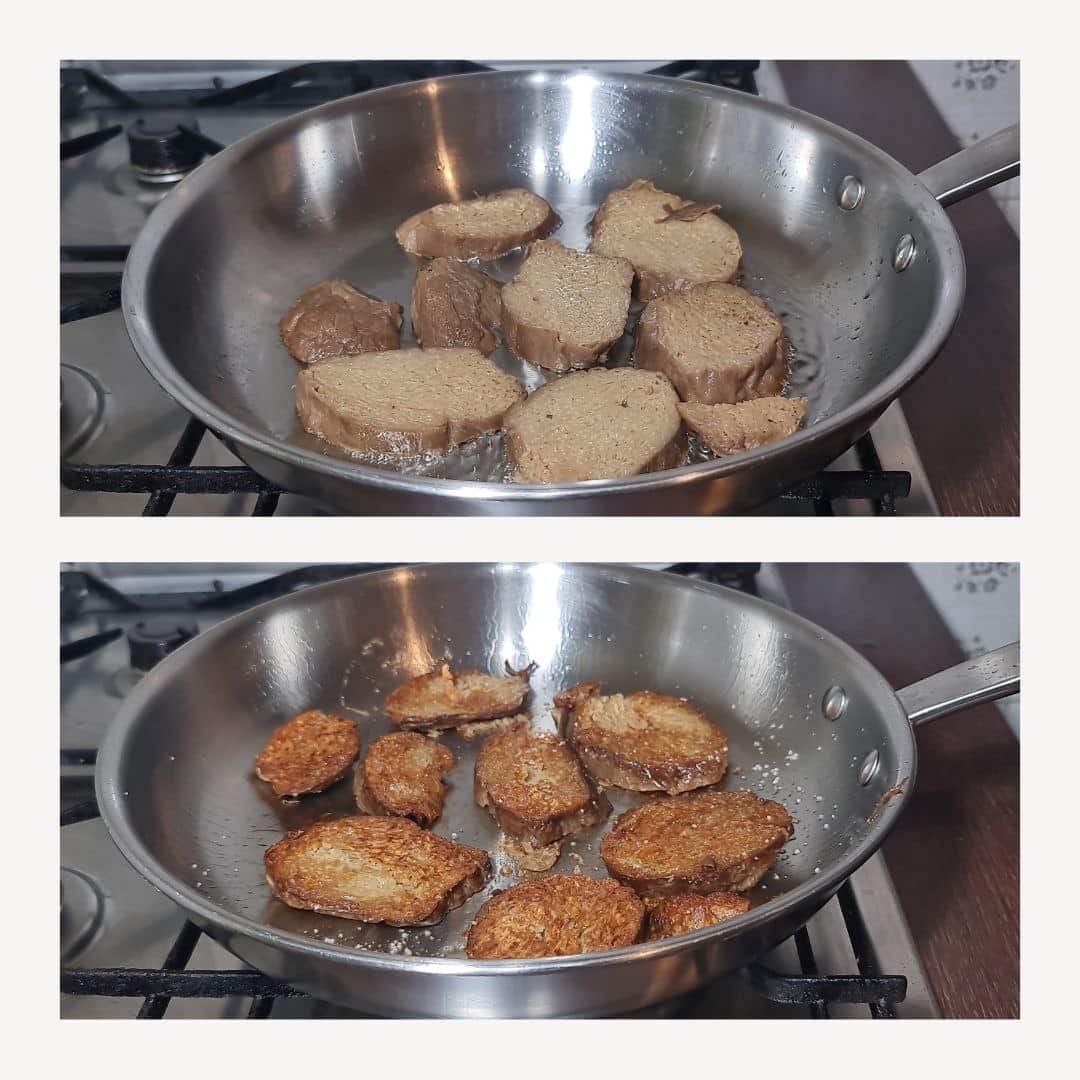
[
  {"x": 82, "y": 910},
  {"x": 150, "y": 642},
  {"x": 161, "y": 152}
]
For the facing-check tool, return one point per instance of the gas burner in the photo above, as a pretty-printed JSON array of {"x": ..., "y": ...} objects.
[
  {"x": 163, "y": 152},
  {"x": 82, "y": 910},
  {"x": 82, "y": 408},
  {"x": 150, "y": 642}
]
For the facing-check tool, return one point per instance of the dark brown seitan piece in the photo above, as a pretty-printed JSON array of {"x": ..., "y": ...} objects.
[
  {"x": 334, "y": 319},
  {"x": 455, "y": 305}
]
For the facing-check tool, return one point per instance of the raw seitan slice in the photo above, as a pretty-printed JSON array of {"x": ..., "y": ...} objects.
[
  {"x": 447, "y": 699},
  {"x": 334, "y": 319},
  {"x": 703, "y": 842},
  {"x": 560, "y": 915},
  {"x": 717, "y": 343},
  {"x": 482, "y": 228},
  {"x": 454, "y": 305},
  {"x": 729, "y": 429},
  {"x": 405, "y": 402},
  {"x": 673, "y": 243},
  {"x": 599, "y": 424},
  {"x": 375, "y": 869},
  {"x": 564, "y": 308}
]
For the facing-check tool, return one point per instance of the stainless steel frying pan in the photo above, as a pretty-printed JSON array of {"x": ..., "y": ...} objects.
[
  {"x": 810, "y": 724},
  {"x": 854, "y": 253}
]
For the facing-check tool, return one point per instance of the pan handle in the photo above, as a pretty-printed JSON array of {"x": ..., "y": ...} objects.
[
  {"x": 988, "y": 162},
  {"x": 994, "y": 675}
]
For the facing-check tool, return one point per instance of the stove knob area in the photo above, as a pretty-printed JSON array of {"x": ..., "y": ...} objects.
[
  {"x": 161, "y": 151},
  {"x": 152, "y": 641}
]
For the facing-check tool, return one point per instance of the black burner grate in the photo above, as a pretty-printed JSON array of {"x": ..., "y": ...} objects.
[{"x": 158, "y": 986}]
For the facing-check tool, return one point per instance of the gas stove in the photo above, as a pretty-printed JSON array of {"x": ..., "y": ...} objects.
[
  {"x": 127, "y": 950},
  {"x": 129, "y": 131}
]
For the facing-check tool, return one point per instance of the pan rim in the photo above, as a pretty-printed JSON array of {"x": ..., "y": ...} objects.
[
  {"x": 111, "y": 802},
  {"x": 154, "y": 356}
]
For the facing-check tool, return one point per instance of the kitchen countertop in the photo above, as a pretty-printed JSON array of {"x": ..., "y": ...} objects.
[
  {"x": 955, "y": 855},
  {"x": 964, "y": 412}
]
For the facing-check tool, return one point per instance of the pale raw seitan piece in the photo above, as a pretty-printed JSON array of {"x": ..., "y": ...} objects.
[
  {"x": 402, "y": 775},
  {"x": 334, "y": 319},
  {"x": 729, "y": 429},
  {"x": 556, "y": 916},
  {"x": 673, "y": 243},
  {"x": 309, "y": 753},
  {"x": 405, "y": 402},
  {"x": 645, "y": 741},
  {"x": 565, "y": 308},
  {"x": 718, "y": 344},
  {"x": 375, "y": 869},
  {"x": 704, "y": 842},
  {"x": 455, "y": 305},
  {"x": 448, "y": 699},
  {"x": 687, "y": 912},
  {"x": 600, "y": 424},
  {"x": 535, "y": 787},
  {"x": 481, "y": 228}
]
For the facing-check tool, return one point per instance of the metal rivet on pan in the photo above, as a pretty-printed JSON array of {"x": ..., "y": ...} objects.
[
  {"x": 850, "y": 192},
  {"x": 905, "y": 253},
  {"x": 868, "y": 769},
  {"x": 834, "y": 703}
]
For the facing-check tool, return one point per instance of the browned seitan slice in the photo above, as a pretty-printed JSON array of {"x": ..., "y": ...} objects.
[
  {"x": 703, "y": 842},
  {"x": 534, "y": 787},
  {"x": 646, "y": 742},
  {"x": 672, "y": 243},
  {"x": 482, "y": 228},
  {"x": 729, "y": 429},
  {"x": 565, "y": 308},
  {"x": 402, "y": 775},
  {"x": 375, "y": 869},
  {"x": 334, "y": 319},
  {"x": 309, "y": 753},
  {"x": 599, "y": 424},
  {"x": 717, "y": 343},
  {"x": 447, "y": 699},
  {"x": 455, "y": 305},
  {"x": 687, "y": 912},
  {"x": 405, "y": 402},
  {"x": 557, "y": 916}
]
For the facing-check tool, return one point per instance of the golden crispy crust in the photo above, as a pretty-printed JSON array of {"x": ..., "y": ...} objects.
[
  {"x": 445, "y": 699},
  {"x": 375, "y": 869},
  {"x": 645, "y": 741},
  {"x": 556, "y": 916},
  {"x": 687, "y": 912},
  {"x": 309, "y": 753},
  {"x": 402, "y": 775},
  {"x": 703, "y": 842},
  {"x": 534, "y": 787}
]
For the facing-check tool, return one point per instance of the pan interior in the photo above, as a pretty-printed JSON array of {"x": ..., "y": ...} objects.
[
  {"x": 191, "y": 800},
  {"x": 319, "y": 197}
]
